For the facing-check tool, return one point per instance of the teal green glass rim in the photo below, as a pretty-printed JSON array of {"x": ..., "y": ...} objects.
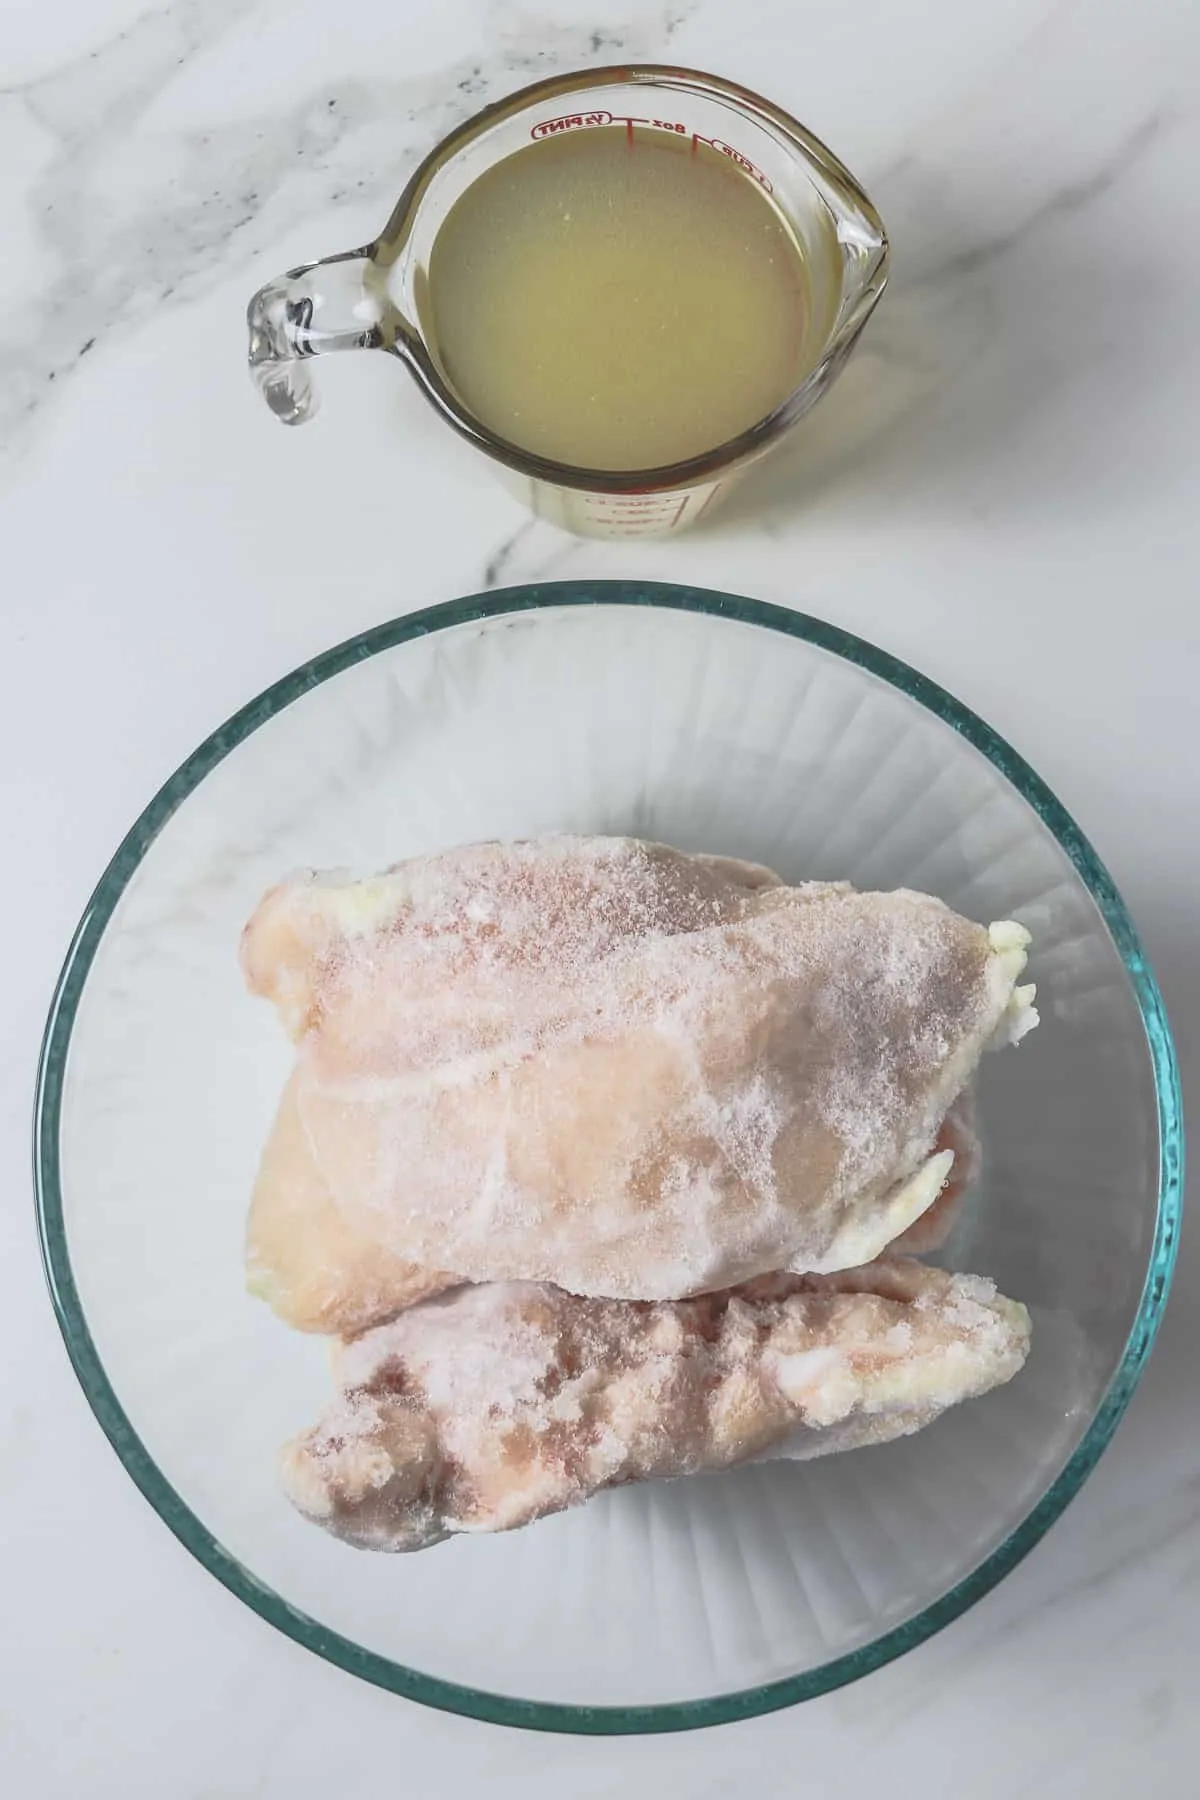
[{"x": 450, "y": 1696}]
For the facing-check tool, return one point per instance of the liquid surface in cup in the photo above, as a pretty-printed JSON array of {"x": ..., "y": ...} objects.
[{"x": 619, "y": 299}]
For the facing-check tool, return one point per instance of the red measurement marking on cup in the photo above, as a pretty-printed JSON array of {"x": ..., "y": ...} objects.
[
  {"x": 736, "y": 157},
  {"x": 625, "y": 503},
  {"x": 578, "y": 121},
  {"x": 570, "y": 122}
]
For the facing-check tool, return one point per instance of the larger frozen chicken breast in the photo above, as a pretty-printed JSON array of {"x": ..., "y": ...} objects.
[{"x": 608, "y": 1065}]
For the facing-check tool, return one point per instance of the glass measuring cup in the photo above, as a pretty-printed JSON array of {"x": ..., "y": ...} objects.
[{"x": 377, "y": 297}]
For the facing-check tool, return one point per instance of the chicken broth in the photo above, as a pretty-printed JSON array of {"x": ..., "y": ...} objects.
[{"x": 619, "y": 299}]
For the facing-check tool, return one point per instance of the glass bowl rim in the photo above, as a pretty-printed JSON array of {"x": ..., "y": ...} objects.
[{"x": 172, "y": 1509}]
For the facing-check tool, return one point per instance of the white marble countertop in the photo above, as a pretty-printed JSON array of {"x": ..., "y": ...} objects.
[{"x": 1003, "y": 491}]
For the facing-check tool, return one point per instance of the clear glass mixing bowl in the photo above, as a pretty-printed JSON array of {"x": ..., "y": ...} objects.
[{"x": 705, "y": 721}]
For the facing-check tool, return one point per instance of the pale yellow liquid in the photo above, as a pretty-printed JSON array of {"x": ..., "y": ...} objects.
[{"x": 618, "y": 301}]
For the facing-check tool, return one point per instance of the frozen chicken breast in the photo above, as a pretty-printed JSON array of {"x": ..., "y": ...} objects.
[
  {"x": 608, "y": 1065},
  {"x": 493, "y": 1406}
]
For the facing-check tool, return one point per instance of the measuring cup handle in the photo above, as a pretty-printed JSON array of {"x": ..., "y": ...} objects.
[{"x": 320, "y": 306}]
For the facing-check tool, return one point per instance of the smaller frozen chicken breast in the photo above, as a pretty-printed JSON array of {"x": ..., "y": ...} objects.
[{"x": 493, "y": 1406}]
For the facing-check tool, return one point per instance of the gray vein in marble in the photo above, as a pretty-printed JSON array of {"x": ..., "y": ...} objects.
[
  {"x": 497, "y": 561},
  {"x": 1061, "y": 202},
  {"x": 949, "y": 307},
  {"x": 537, "y": 555},
  {"x": 206, "y": 203}
]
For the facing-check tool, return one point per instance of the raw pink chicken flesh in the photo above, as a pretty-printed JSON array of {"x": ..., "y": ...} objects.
[
  {"x": 605, "y": 1064},
  {"x": 545, "y": 1094},
  {"x": 499, "y": 1404}
]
